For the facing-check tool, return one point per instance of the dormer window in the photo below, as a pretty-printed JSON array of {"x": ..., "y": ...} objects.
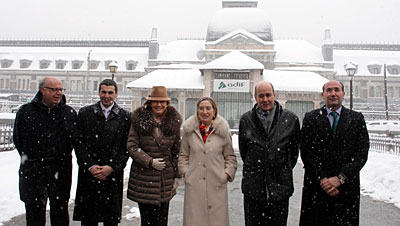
[
  {"x": 77, "y": 64},
  {"x": 5, "y": 63},
  {"x": 94, "y": 64},
  {"x": 24, "y": 63},
  {"x": 44, "y": 64},
  {"x": 393, "y": 69},
  {"x": 375, "y": 69},
  {"x": 131, "y": 65},
  {"x": 60, "y": 64}
]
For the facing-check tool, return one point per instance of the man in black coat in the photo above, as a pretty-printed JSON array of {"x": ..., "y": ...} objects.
[
  {"x": 43, "y": 137},
  {"x": 269, "y": 139},
  {"x": 334, "y": 148},
  {"x": 100, "y": 146}
]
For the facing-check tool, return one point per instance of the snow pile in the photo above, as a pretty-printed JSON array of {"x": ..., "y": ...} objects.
[{"x": 380, "y": 177}]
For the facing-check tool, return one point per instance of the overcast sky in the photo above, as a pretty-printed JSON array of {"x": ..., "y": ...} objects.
[{"x": 370, "y": 21}]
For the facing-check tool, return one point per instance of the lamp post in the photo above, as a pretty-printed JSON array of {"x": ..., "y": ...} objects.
[
  {"x": 386, "y": 93},
  {"x": 351, "y": 70},
  {"x": 113, "y": 69},
  {"x": 86, "y": 80}
]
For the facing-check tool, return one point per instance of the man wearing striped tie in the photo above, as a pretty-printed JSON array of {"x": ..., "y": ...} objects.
[{"x": 334, "y": 148}]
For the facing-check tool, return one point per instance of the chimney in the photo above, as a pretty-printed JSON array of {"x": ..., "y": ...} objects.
[
  {"x": 153, "y": 44},
  {"x": 327, "y": 46}
]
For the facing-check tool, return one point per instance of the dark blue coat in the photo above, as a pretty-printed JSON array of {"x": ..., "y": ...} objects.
[
  {"x": 100, "y": 142},
  {"x": 327, "y": 154},
  {"x": 43, "y": 138}
]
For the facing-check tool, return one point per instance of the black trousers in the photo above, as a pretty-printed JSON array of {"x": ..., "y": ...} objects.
[
  {"x": 105, "y": 223},
  {"x": 36, "y": 213},
  {"x": 154, "y": 215},
  {"x": 271, "y": 213}
]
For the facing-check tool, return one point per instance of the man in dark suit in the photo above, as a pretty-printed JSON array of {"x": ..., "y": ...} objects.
[
  {"x": 100, "y": 139},
  {"x": 269, "y": 138},
  {"x": 42, "y": 135},
  {"x": 334, "y": 148}
]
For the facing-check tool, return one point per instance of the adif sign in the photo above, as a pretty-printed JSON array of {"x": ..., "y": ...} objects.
[{"x": 228, "y": 85}]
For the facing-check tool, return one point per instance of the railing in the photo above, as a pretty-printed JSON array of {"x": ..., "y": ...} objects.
[
  {"x": 384, "y": 144},
  {"x": 378, "y": 142},
  {"x": 6, "y": 141}
]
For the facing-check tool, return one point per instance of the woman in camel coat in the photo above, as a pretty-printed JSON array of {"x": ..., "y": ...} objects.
[{"x": 207, "y": 162}]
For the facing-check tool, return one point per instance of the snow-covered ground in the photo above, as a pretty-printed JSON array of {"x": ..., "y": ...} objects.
[{"x": 380, "y": 179}]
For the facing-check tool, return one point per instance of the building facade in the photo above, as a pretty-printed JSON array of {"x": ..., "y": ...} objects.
[{"x": 234, "y": 55}]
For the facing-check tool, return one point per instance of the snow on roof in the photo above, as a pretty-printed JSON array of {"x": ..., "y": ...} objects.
[
  {"x": 297, "y": 51},
  {"x": 295, "y": 80},
  {"x": 182, "y": 50},
  {"x": 69, "y": 54},
  {"x": 234, "y": 60},
  {"x": 172, "y": 79},
  {"x": 176, "y": 66},
  {"x": 314, "y": 69},
  {"x": 238, "y": 32},
  {"x": 253, "y": 20},
  {"x": 363, "y": 58}
]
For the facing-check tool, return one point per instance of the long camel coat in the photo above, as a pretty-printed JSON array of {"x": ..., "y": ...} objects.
[{"x": 204, "y": 166}]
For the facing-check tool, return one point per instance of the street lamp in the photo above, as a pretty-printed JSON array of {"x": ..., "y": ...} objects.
[
  {"x": 351, "y": 70},
  {"x": 113, "y": 69}
]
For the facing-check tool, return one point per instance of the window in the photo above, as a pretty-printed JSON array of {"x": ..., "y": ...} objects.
[
  {"x": 375, "y": 68},
  {"x": 95, "y": 85},
  {"x": 60, "y": 64},
  {"x": 77, "y": 64},
  {"x": 357, "y": 91},
  {"x": 73, "y": 87},
  {"x": 6, "y": 63},
  {"x": 393, "y": 69},
  {"x": 44, "y": 64},
  {"x": 131, "y": 65},
  {"x": 79, "y": 85},
  {"x": 93, "y": 64},
  {"x": 390, "y": 92},
  {"x": 371, "y": 91},
  {"x": 378, "y": 91},
  {"x": 397, "y": 94},
  {"x": 24, "y": 63}
]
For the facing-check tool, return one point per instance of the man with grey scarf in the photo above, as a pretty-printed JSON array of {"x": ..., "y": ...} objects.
[{"x": 269, "y": 139}]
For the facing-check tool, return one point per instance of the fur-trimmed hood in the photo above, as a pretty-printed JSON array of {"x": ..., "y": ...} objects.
[
  {"x": 219, "y": 125},
  {"x": 143, "y": 122}
]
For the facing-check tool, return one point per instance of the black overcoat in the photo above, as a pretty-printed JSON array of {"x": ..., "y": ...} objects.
[
  {"x": 327, "y": 154},
  {"x": 269, "y": 158},
  {"x": 43, "y": 138},
  {"x": 100, "y": 142}
]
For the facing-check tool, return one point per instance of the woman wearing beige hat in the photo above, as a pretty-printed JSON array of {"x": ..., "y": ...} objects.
[{"x": 153, "y": 144}]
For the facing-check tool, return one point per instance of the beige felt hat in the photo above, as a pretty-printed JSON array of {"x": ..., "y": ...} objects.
[{"x": 158, "y": 93}]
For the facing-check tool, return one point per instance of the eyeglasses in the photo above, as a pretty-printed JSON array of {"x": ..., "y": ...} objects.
[{"x": 55, "y": 89}]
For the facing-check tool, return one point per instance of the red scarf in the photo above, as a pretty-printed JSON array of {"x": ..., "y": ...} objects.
[{"x": 205, "y": 131}]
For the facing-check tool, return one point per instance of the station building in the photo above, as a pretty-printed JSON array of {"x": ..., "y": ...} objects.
[{"x": 233, "y": 57}]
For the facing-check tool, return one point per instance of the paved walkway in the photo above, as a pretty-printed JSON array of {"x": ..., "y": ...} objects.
[{"x": 372, "y": 212}]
